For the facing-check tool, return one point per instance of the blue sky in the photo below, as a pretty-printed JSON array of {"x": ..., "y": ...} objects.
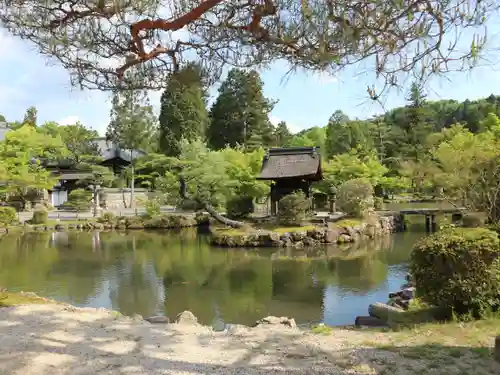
[{"x": 305, "y": 99}]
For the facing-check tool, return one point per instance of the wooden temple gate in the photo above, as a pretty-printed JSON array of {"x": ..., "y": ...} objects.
[{"x": 290, "y": 169}]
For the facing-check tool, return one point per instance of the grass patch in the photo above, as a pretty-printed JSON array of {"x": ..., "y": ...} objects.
[
  {"x": 282, "y": 230},
  {"x": 474, "y": 335},
  {"x": 8, "y": 299},
  {"x": 348, "y": 222},
  {"x": 416, "y": 305},
  {"x": 233, "y": 231},
  {"x": 322, "y": 329}
]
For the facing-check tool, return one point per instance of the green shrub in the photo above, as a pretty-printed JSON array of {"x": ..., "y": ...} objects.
[
  {"x": 153, "y": 207},
  {"x": 378, "y": 203},
  {"x": 169, "y": 221},
  {"x": 293, "y": 209},
  {"x": 40, "y": 216},
  {"x": 239, "y": 207},
  {"x": 79, "y": 200},
  {"x": 355, "y": 197},
  {"x": 133, "y": 222},
  {"x": 473, "y": 220},
  {"x": 458, "y": 270},
  {"x": 107, "y": 217},
  {"x": 189, "y": 205},
  {"x": 8, "y": 216}
]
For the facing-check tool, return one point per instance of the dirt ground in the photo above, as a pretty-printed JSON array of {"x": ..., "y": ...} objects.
[{"x": 57, "y": 339}]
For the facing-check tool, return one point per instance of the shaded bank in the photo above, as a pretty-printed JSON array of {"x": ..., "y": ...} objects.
[
  {"x": 341, "y": 232},
  {"x": 109, "y": 222}
]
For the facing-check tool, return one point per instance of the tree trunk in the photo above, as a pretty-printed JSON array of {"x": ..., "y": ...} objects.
[
  {"x": 95, "y": 197},
  {"x": 221, "y": 219},
  {"x": 123, "y": 197},
  {"x": 132, "y": 180},
  {"x": 209, "y": 208}
]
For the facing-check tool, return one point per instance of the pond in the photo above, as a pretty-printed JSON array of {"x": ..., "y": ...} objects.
[{"x": 151, "y": 273}]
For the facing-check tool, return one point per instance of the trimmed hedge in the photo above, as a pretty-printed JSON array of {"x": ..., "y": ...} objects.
[
  {"x": 459, "y": 270},
  {"x": 107, "y": 217},
  {"x": 293, "y": 209},
  {"x": 355, "y": 197},
  {"x": 40, "y": 216}
]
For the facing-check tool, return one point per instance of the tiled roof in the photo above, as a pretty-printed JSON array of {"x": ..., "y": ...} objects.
[
  {"x": 292, "y": 162},
  {"x": 108, "y": 150}
]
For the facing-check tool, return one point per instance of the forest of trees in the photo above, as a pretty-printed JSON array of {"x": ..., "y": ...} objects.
[
  {"x": 444, "y": 149},
  {"x": 411, "y": 149}
]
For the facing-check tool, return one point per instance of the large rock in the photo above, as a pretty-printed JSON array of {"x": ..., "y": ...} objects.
[
  {"x": 98, "y": 226},
  {"x": 317, "y": 234},
  {"x": 298, "y": 245},
  {"x": 369, "y": 321},
  {"x": 332, "y": 236},
  {"x": 59, "y": 227},
  {"x": 276, "y": 321},
  {"x": 299, "y": 236},
  {"x": 186, "y": 318},
  {"x": 286, "y": 238},
  {"x": 309, "y": 242},
  {"x": 384, "y": 312}
]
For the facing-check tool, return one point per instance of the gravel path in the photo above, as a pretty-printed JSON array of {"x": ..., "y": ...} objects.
[{"x": 59, "y": 339}]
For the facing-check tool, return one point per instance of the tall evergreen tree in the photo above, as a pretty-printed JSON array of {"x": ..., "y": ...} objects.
[
  {"x": 183, "y": 109},
  {"x": 30, "y": 117},
  {"x": 417, "y": 127},
  {"x": 132, "y": 125},
  {"x": 282, "y": 134},
  {"x": 240, "y": 114}
]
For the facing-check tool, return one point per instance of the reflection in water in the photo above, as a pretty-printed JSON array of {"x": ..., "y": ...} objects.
[{"x": 152, "y": 273}]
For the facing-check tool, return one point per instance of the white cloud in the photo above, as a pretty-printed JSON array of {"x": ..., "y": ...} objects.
[{"x": 70, "y": 120}]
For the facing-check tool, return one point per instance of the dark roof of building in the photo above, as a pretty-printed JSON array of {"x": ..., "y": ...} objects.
[
  {"x": 108, "y": 150},
  {"x": 292, "y": 162},
  {"x": 69, "y": 176}
]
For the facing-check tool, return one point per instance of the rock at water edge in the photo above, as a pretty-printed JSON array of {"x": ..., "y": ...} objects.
[
  {"x": 384, "y": 312},
  {"x": 187, "y": 318},
  {"x": 160, "y": 319},
  {"x": 274, "y": 320},
  {"x": 369, "y": 321}
]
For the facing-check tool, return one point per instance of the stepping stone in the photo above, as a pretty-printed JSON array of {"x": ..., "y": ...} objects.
[{"x": 157, "y": 319}]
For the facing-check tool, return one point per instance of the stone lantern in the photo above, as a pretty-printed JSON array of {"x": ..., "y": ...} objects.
[{"x": 332, "y": 198}]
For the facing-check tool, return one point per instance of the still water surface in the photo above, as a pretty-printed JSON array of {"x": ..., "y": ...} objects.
[{"x": 152, "y": 273}]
